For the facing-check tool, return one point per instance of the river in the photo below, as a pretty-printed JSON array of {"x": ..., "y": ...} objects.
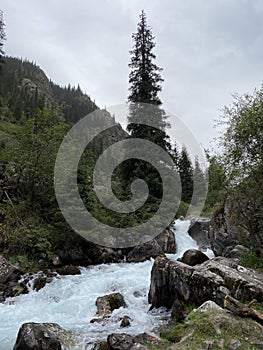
[{"x": 70, "y": 300}]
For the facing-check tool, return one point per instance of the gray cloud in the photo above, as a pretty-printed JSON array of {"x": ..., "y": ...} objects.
[{"x": 208, "y": 49}]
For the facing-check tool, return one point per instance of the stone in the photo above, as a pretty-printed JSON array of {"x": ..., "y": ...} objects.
[
  {"x": 145, "y": 251},
  {"x": 138, "y": 346},
  {"x": 107, "y": 303},
  {"x": 207, "y": 306},
  {"x": 173, "y": 280},
  {"x": 237, "y": 252},
  {"x": 42, "y": 336},
  {"x": 125, "y": 322},
  {"x": 68, "y": 270},
  {"x": 193, "y": 257},
  {"x": 8, "y": 272},
  {"x": 166, "y": 241},
  {"x": 101, "y": 346},
  {"x": 120, "y": 341},
  {"x": 199, "y": 231},
  {"x": 148, "y": 338},
  {"x": 235, "y": 344}
]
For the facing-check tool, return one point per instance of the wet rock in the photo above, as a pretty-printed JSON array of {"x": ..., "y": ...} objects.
[
  {"x": 108, "y": 303},
  {"x": 199, "y": 231},
  {"x": 193, "y": 257},
  {"x": 68, "y": 270},
  {"x": 40, "y": 282},
  {"x": 8, "y": 272},
  {"x": 42, "y": 336},
  {"x": 145, "y": 251},
  {"x": 14, "y": 289},
  {"x": 173, "y": 280},
  {"x": 120, "y": 341},
  {"x": 101, "y": 346},
  {"x": 125, "y": 322},
  {"x": 166, "y": 241}
]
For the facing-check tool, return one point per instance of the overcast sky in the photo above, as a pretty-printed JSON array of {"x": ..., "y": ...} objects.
[{"x": 208, "y": 49}]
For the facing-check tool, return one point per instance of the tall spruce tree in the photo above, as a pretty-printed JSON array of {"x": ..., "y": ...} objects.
[
  {"x": 145, "y": 84},
  {"x": 144, "y": 110}
]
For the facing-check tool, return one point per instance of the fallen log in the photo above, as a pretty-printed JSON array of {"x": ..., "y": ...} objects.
[{"x": 242, "y": 310}]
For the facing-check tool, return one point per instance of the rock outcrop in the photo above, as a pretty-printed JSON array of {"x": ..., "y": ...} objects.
[
  {"x": 8, "y": 272},
  {"x": 43, "y": 336},
  {"x": 10, "y": 284},
  {"x": 199, "y": 231},
  {"x": 166, "y": 241},
  {"x": 173, "y": 280},
  {"x": 145, "y": 251}
]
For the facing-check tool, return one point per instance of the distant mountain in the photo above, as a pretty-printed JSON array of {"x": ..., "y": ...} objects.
[{"x": 25, "y": 87}]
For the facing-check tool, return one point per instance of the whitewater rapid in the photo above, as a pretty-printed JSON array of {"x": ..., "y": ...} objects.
[{"x": 70, "y": 300}]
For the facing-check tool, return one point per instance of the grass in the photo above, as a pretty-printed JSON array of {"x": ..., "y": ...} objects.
[{"x": 218, "y": 327}]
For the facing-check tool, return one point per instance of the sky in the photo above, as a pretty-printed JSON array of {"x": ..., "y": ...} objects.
[{"x": 208, "y": 49}]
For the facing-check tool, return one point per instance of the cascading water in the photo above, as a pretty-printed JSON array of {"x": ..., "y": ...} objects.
[{"x": 70, "y": 300}]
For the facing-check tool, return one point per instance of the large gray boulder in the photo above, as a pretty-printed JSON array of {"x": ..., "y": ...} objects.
[
  {"x": 145, "y": 251},
  {"x": 166, "y": 241},
  {"x": 173, "y": 280},
  {"x": 43, "y": 336}
]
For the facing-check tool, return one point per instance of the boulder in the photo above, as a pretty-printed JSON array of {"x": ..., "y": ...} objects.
[
  {"x": 125, "y": 322},
  {"x": 108, "y": 303},
  {"x": 123, "y": 341},
  {"x": 173, "y": 280},
  {"x": 120, "y": 341},
  {"x": 237, "y": 252},
  {"x": 8, "y": 272},
  {"x": 145, "y": 251},
  {"x": 68, "y": 270},
  {"x": 199, "y": 231},
  {"x": 166, "y": 241},
  {"x": 103, "y": 345},
  {"x": 43, "y": 336},
  {"x": 193, "y": 257}
]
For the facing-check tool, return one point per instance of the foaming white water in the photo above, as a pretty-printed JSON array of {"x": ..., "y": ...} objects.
[
  {"x": 183, "y": 240},
  {"x": 70, "y": 300}
]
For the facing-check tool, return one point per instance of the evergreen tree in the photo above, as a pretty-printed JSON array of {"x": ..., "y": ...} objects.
[
  {"x": 145, "y": 84},
  {"x": 186, "y": 175}
]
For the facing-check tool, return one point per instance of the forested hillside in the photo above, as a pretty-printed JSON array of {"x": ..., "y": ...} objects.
[{"x": 25, "y": 88}]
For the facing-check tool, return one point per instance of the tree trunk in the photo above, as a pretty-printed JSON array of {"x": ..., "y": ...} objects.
[{"x": 243, "y": 310}]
